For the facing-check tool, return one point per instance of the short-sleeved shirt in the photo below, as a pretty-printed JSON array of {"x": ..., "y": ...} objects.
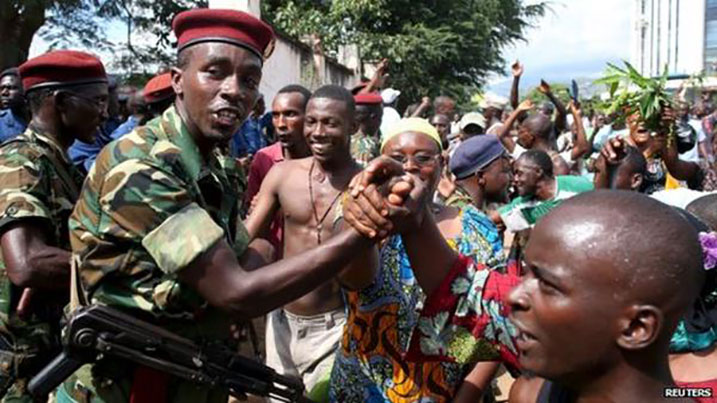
[
  {"x": 524, "y": 212},
  {"x": 37, "y": 181},
  {"x": 150, "y": 206},
  {"x": 11, "y": 125}
]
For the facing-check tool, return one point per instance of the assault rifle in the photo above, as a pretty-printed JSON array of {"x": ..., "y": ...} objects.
[{"x": 98, "y": 330}]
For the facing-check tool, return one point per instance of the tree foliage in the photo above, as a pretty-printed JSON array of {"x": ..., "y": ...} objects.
[{"x": 434, "y": 46}]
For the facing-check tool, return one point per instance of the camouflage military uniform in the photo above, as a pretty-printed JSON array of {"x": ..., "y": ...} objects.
[
  {"x": 37, "y": 181},
  {"x": 364, "y": 148},
  {"x": 459, "y": 198},
  {"x": 151, "y": 205}
]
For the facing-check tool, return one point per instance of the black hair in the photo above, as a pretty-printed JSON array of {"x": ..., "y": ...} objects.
[
  {"x": 541, "y": 159},
  {"x": 36, "y": 97},
  {"x": 634, "y": 160},
  {"x": 539, "y": 125},
  {"x": 12, "y": 71},
  {"x": 705, "y": 208},
  {"x": 292, "y": 88},
  {"x": 337, "y": 93}
]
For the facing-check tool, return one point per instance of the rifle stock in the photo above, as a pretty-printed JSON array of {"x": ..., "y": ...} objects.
[{"x": 97, "y": 329}]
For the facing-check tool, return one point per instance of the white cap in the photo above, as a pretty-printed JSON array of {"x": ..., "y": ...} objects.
[
  {"x": 389, "y": 95},
  {"x": 491, "y": 100}
]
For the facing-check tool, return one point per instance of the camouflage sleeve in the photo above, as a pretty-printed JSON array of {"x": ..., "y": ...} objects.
[
  {"x": 23, "y": 186},
  {"x": 155, "y": 207}
]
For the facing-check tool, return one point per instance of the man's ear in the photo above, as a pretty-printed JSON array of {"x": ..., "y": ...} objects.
[
  {"x": 636, "y": 181},
  {"x": 480, "y": 178},
  {"x": 61, "y": 100},
  {"x": 640, "y": 326},
  {"x": 177, "y": 84}
]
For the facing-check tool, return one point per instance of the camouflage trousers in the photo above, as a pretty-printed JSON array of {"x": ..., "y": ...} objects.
[
  {"x": 111, "y": 382},
  {"x": 19, "y": 361}
]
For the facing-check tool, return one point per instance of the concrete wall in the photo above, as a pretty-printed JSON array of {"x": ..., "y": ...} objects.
[{"x": 294, "y": 62}]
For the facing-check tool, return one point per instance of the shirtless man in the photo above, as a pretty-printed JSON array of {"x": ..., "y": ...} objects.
[{"x": 303, "y": 336}]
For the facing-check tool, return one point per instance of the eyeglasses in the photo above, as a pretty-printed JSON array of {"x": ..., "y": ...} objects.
[
  {"x": 98, "y": 104},
  {"x": 420, "y": 159}
]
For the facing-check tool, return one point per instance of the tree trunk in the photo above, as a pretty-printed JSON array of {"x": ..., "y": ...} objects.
[{"x": 19, "y": 20}]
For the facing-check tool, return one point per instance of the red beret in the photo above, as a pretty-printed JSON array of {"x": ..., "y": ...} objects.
[
  {"x": 230, "y": 26},
  {"x": 370, "y": 98},
  {"x": 158, "y": 88},
  {"x": 61, "y": 68}
]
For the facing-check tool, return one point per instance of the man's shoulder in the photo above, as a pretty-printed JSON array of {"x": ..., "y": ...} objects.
[
  {"x": 573, "y": 183},
  {"x": 22, "y": 148},
  {"x": 140, "y": 144},
  {"x": 272, "y": 152}
]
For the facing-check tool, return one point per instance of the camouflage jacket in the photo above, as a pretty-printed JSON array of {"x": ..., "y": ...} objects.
[
  {"x": 459, "y": 198},
  {"x": 38, "y": 181},
  {"x": 151, "y": 205},
  {"x": 364, "y": 148}
]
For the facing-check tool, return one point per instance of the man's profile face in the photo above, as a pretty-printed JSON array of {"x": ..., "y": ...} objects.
[
  {"x": 287, "y": 115},
  {"x": 497, "y": 175},
  {"x": 82, "y": 110},
  {"x": 11, "y": 94},
  {"x": 525, "y": 177},
  {"x": 368, "y": 117},
  {"x": 565, "y": 306},
  {"x": 217, "y": 88},
  {"x": 328, "y": 127}
]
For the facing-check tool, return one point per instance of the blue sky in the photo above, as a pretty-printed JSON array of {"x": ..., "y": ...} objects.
[{"x": 573, "y": 40}]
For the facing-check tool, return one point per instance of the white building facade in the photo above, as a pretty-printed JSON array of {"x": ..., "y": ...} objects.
[{"x": 678, "y": 34}]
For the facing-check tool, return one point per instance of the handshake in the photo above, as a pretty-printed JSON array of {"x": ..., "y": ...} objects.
[{"x": 384, "y": 199}]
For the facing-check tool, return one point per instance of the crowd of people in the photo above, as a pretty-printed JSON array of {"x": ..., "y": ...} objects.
[{"x": 511, "y": 252}]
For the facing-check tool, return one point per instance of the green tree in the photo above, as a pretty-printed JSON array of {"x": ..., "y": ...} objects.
[
  {"x": 72, "y": 23},
  {"x": 434, "y": 46}
]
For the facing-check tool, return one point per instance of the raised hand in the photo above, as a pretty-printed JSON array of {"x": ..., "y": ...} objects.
[
  {"x": 517, "y": 69},
  {"x": 525, "y": 106},
  {"x": 544, "y": 87}
]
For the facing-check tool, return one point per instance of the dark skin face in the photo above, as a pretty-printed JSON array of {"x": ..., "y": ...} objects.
[
  {"x": 11, "y": 93},
  {"x": 442, "y": 125},
  {"x": 288, "y": 119},
  {"x": 82, "y": 110},
  {"x": 638, "y": 132},
  {"x": 495, "y": 179},
  {"x": 216, "y": 90},
  {"x": 419, "y": 154},
  {"x": 525, "y": 177},
  {"x": 560, "y": 307},
  {"x": 368, "y": 118},
  {"x": 525, "y": 136},
  {"x": 626, "y": 179},
  {"x": 328, "y": 127}
]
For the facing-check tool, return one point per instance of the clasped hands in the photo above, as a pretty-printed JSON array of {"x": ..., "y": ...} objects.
[{"x": 384, "y": 199}]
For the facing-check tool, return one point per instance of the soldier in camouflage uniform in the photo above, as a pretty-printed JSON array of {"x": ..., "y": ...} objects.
[
  {"x": 67, "y": 92},
  {"x": 369, "y": 111},
  {"x": 156, "y": 230}
]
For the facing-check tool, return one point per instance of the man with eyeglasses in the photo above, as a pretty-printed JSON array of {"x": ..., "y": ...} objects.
[{"x": 67, "y": 94}]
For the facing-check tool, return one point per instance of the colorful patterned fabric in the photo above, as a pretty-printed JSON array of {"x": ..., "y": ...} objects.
[
  {"x": 466, "y": 319},
  {"x": 370, "y": 366},
  {"x": 37, "y": 181},
  {"x": 151, "y": 204},
  {"x": 364, "y": 148},
  {"x": 523, "y": 212}
]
